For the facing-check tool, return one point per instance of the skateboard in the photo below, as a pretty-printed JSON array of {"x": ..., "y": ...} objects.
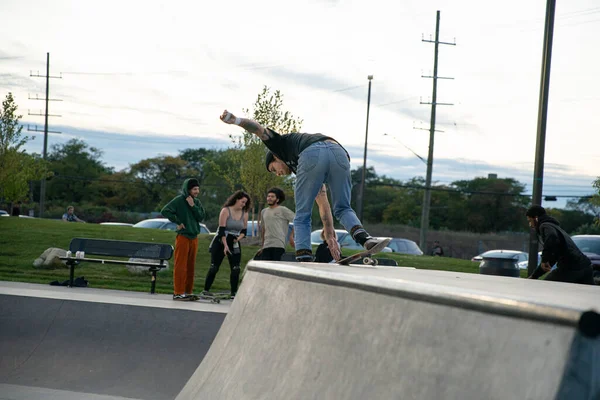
[
  {"x": 365, "y": 255},
  {"x": 214, "y": 298}
]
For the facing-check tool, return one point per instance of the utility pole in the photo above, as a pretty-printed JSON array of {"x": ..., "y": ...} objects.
[
  {"x": 538, "y": 173},
  {"x": 46, "y": 131},
  {"x": 434, "y": 103},
  {"x": 364, "y": 169}
]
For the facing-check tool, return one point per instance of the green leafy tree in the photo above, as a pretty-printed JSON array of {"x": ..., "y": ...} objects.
[
  {"x": 159, "y": 179},
  {"x": 492, "y": 204},
  {"x": 10, "y": 128},
  {"x": 248, "y": 158},
  {"x": 75, "y": 166},
  {"x": 571, "y": 220},
  {"x": 595, "y": 200},
  {"x": 17, "y": 168}
]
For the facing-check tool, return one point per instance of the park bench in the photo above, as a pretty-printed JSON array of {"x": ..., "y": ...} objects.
[{"x": 118, "y": 248}]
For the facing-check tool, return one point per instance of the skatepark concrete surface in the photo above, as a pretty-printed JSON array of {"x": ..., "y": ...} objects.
[
  {"x": 93, "y": 344},
  {"x": 322, "y": 331}
]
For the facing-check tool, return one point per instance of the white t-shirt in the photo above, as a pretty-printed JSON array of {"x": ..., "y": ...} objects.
[{"x": 276, "y": 221}]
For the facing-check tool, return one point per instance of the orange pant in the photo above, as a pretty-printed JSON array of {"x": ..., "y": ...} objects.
[{"x": 185, "y": 262}]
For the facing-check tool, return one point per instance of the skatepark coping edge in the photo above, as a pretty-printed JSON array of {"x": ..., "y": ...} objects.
[{"x": 428, "y": 292}]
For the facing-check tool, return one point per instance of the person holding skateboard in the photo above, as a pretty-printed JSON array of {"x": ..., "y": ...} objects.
[
  {"x": 233, "y": 223},
  {"x": 275, "y": 220},
  {"x": 316, "y": 160},
  {"x": 186, "y": 211}
]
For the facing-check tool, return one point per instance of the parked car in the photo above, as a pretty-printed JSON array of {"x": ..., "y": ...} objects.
[
  {"x": 344, "y": 239},
  {"x": 502, "y": 262},
  {"x": 523, "y": 257},
  {"x": 4, "y": 213},
  {"x": 254, "y": 230},
  {"x": 590, "y": 246},
  {"x": 116, "y": 223},
  {"x": 405, "y": 246},
  {"x": 164, "y": 223}
]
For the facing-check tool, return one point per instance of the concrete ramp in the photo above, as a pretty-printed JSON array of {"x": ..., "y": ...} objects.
[{"x": 308, "y": 331}]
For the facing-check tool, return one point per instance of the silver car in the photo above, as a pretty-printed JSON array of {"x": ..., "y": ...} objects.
[{"x": 164, "y": 223}]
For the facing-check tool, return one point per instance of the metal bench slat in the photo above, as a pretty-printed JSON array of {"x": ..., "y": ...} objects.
[{"x": 120, "y": 248}]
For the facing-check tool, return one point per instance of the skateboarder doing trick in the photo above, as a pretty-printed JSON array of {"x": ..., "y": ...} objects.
[{"x": 316, "y": 160}]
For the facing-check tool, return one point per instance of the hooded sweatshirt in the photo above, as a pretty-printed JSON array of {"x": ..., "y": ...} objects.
[
  {"x": 559, "y": 248},
  {"x": 179, "y": 211}
]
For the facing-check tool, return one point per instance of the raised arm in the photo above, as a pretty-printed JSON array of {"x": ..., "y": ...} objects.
[
  {"x": 327, "y": 219},
  {"x": 248, "y": 124}
]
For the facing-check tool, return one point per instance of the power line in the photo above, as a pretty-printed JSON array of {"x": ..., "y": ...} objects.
[{"x": 477, "y": 192}]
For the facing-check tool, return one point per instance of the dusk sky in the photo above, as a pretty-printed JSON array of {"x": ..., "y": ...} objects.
[{"x": 141, "y": 79}]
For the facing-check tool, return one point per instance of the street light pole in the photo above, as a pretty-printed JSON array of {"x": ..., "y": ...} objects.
[{"x": 364, "y": 168}]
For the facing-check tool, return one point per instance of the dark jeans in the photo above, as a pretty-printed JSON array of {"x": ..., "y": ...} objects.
[
  {"x": 583, "y": 276},
  {"x": 216, "y": 258},
  {"x": 271, "y": 254}
]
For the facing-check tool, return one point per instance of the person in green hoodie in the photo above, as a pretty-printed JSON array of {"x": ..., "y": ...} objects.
[{"x": 186, "y": 211}]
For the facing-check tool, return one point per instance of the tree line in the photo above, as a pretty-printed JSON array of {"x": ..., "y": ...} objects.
[{"x": 76, "y": 175}]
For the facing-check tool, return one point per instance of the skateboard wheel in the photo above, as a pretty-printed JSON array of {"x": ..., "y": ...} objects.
[
  {"x": 367, "y": 260},
  {"x": 375, "y": 262}
]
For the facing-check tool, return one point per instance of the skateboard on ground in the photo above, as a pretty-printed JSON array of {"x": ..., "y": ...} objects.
[
  {"x": 213, "y": 298},
  {"x": 366, "y": 254}
]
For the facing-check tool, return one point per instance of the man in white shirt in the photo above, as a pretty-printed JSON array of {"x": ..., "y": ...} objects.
[{"x": 274, "y": 226}]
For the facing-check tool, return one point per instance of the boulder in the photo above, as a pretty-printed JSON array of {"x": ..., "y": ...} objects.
[
  {"x": 138, "y": 269},
  {"x": 49, "y": 259}
]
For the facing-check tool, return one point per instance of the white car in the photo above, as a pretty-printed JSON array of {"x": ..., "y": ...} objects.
[
  {"x": 4, "y": 213},
  {"x": 116, "y": 223},
  {"x": 520, "y": 258},
  {"x": 164, "y": 223}
]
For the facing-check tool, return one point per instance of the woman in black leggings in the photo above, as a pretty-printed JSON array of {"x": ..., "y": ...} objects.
[{"x": 233, "y": 221}]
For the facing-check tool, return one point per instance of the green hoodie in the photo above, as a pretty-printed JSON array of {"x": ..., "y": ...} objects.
[{"x": 179, "y": 211}]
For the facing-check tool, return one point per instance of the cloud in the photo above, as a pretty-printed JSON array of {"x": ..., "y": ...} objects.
[
  {"x": 121, "y": 150},
  {"x": 559, "y": 179},
  {"x": 13, "y": 82}
]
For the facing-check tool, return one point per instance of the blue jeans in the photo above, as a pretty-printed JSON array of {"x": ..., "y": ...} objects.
[{"x": 322, "y": 162}]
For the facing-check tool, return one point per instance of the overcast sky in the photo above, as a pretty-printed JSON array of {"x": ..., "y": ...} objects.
[{"x": 141, "y": 79}]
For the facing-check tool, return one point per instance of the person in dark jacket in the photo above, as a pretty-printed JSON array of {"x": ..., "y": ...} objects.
[
  {"x": 323, "y": 255},
  {"x": 558, "y": 248},
  {"x": 186, "y": 211}
]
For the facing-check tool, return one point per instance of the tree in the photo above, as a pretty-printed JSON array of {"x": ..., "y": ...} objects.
[
  {"x": 571, "y": 220},
  {"x": 17, "y": 167},
  {"x": 248, "y": 159},
  {"x": 10, "y": 129},
  {"x": 595, "y": 200},
  {"x": 75, "y": 166},
  {"x": 160, "y": 179},
  {"x": 492, "y": 204}
]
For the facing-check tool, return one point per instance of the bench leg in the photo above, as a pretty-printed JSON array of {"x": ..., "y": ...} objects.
[
  {"x": 153, "y": 282},
  {"x": 71, "y": 273}
]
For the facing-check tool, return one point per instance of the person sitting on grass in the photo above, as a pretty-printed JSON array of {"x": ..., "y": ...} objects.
[{"x": 70, "y": 216}]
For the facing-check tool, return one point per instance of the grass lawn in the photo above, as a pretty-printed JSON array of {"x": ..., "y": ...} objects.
[{"x": 22, "y": 240}]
